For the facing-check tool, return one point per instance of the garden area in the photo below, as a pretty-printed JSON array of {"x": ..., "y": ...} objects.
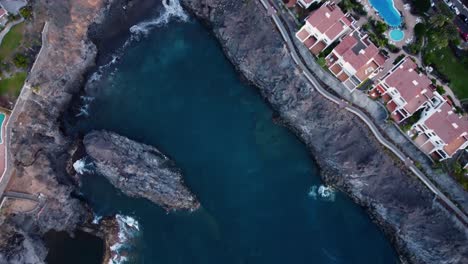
[
  {"x": 11, "y": 41},
  {"x": 436, "y": 39},
  {"x": 14, "y": 62},
  {"x": 447, "y": 64},
  {"x": 13, "y": 84}
]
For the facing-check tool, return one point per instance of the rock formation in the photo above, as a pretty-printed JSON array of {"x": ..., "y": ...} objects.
[
  {"x": 349, "y": 156},
  {"x": 39, "y": 148},
  {"x": 138, "y": 170}
]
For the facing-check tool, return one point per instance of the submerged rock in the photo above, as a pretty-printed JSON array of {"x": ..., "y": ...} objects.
[{"x": 139, "y": 170}]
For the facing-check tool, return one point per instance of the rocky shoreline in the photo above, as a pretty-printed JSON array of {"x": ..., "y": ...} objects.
[
  {"x": 42, "y": 152},
  {"x": 349, "y": 156}
]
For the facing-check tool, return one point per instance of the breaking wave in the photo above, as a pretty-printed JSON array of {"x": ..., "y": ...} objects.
[
  {"x": 129, "y": 230},
  {"x": 82, "y": 167},
  {"x": 322, "y": 193},
  {"x": 172, "y": 10},
  {"x": 84, "y": 107}
]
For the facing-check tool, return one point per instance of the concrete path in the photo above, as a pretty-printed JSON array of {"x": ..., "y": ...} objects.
[
  {"x": 8, "y": 27},
  {"x": 410, "y": 164},
  {"x": 18, "y": 108}
]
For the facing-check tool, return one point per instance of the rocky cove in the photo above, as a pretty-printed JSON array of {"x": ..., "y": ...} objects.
[{"x": 348, "y": 156}]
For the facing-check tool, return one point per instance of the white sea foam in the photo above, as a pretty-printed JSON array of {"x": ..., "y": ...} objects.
[
  {"x": 82, "y": 167},
  {"x": 84, "y": 108},
  {"x": 172, "y": 10},
  {"x": 322, "y": 193},
  {"x": 96, "y": 219},
  {"x": 129, "y": 230}
]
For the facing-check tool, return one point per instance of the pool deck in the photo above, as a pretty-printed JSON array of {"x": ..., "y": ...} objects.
[
  {"x": 408, "y": 19},
  {"x": 3, "y": 144}
]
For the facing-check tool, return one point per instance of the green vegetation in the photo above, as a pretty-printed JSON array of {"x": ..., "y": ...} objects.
[
  {"x": 445, "y": 62},
  {"x": 328, "y": 50},
  {"x": 12, "y": 85},
  {"x": 352, "y": 6},
  {"x": 420, "y": 6},
  {"x": 21, "y": 61},
  {"x": 322, "y": 62},
  {"x": 26, "y": 12},
  {"x": 459, "y": 174},
  {"x": 410, "y": 121},
  {"x": 440, "y": 89},
  {"x": 398, "y": 59},
  {"x": 11, "y": 41}
]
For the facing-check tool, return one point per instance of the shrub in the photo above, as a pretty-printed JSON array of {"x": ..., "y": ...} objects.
[
  {"x": 392, "y": 48},
  {"x": 380, "y": 27},
  {"x": 21, "y": 61},
  {"x": 421, "y": 6},
  {"x": 26, "y": 12},
  {"x": 420, "y": 30},
  {"x": 440, "y": 89},
  {"x": 322, "y": 62},
  {"x": 398, "y": 59}
]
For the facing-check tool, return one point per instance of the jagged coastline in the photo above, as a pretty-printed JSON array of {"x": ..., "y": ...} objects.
[
  {"x": 41, "y": 151},
  {"x": 350, "y": 158}
]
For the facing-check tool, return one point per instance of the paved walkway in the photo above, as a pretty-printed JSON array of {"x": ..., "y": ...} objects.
[
  {"x": 18, "y": 108},
  {"x": 8, "y": 27},
  {"x": 308, "y": 74},
  {"x": 379, "y": 115}
]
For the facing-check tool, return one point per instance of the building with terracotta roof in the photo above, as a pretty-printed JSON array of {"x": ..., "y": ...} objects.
[
  {"x": 409, "y": 90},
  {"x": 307, "y": 3},
  {"x": 323, "y": 27},
  {"x": 441, "y": 132},
  {"x": 3, "y": 12},
  {"x": 355, "y": 60}
]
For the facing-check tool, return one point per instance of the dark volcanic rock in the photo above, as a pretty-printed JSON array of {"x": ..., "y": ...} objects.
[
  {"x": 39, "y": 149},
  {"x": 138, "y": 170},
  {"x": 350, "y": 158}
]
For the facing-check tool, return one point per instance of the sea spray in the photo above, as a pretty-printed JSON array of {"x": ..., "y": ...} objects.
[
  {"x": 128, "y": 232},
  {"x": 81, "y": 166},
  {"x": 84, "y": 106},
  {"x": 172, "y": 10},
  {"x": 322, "y": 193}
]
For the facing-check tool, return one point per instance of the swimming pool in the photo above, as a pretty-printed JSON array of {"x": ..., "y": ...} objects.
[
  {"x": 387, "y": 11},
  {"x": 2, "y": 119},
  {"x": 396, "y": 35}
]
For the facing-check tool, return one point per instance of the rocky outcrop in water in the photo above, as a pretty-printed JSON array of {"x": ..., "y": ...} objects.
[
  {"x": 40, "y": 150},
  {"x": 349, "y": 156},
  {"x": 138, "y": 170}
]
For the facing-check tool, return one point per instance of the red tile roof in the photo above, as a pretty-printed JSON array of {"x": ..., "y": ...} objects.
[
  {"x": 329, "y": 20},
  {"x": 358, "y": 51},
  {"x": 2, "y": 12},
  {"x": 448, "y": 125},
  {"x": 413, "y": 87}
]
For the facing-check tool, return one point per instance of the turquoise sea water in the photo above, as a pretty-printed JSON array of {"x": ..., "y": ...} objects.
[
  {"x": 2, "y": 118},
  {"x": 387, "y": 11},
  {"x": 175, "y": 90}
]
